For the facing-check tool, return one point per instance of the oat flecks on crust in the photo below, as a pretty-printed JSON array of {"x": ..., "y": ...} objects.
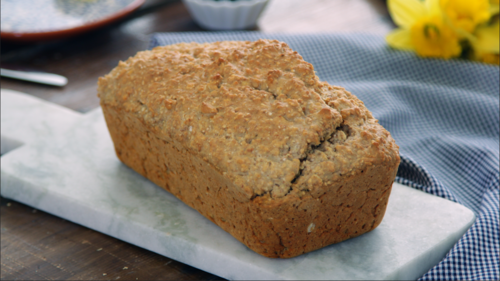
[{"x": 255, "y": 110}]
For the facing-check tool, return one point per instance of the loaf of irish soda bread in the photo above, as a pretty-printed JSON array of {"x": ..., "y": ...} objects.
[{"x": 245, "y": 133}]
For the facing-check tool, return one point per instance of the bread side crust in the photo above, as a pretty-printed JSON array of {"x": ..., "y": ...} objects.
[
  {"x": 273, "y": 227},
  {"x": 246, "y": 134}
]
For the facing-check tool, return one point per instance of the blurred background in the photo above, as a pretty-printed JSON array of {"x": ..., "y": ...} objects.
[{"x": 84, "y": 57}]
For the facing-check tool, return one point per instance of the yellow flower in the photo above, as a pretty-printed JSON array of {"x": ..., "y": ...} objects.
[
  {"x": 494, "y": 7},
  {"x": 466, "y": 14},
  {"x": 422, "y": 29},
  {"x": 486, "y": 43},
  {"x": 432, "y": 38},
  {"x": 489, "y": 58}
]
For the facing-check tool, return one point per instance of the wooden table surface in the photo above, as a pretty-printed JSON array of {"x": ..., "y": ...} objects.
[{"x": 37, "y": 245}]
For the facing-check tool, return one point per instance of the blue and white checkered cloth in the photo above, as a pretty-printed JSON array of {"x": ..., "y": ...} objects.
[{"x": 444, "y": 115}]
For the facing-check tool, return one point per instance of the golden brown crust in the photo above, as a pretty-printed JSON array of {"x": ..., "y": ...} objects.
[{"x": 256, "y": 135}]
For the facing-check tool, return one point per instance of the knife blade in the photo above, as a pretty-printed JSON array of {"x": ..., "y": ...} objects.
[{"x": 37, "y": 77}]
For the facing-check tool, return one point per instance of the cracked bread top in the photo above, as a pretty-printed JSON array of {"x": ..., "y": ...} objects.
[{"x": 256, "y": 111}]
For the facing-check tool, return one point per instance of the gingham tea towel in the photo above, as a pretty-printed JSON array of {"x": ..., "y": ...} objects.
[{"x": 444, "y": 115}]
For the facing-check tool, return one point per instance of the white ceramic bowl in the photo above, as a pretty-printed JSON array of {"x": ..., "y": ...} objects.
[{"x": 225, "y": 15}]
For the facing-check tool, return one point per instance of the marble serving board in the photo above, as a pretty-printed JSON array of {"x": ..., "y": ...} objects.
[{"x": 63, "y": 162}]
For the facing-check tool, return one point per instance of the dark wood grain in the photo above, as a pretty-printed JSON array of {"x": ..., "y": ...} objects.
[{"x": 38, "y": 246}]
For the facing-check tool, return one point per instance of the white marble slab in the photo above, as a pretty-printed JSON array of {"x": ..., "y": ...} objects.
[{"x": 63, "y": 163}]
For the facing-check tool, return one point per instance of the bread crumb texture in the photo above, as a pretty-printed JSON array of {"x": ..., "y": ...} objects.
[{"x": 252, "y": 121}]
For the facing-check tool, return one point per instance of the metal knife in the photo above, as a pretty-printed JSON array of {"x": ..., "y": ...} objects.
[{"x": 38, "y": 77}]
